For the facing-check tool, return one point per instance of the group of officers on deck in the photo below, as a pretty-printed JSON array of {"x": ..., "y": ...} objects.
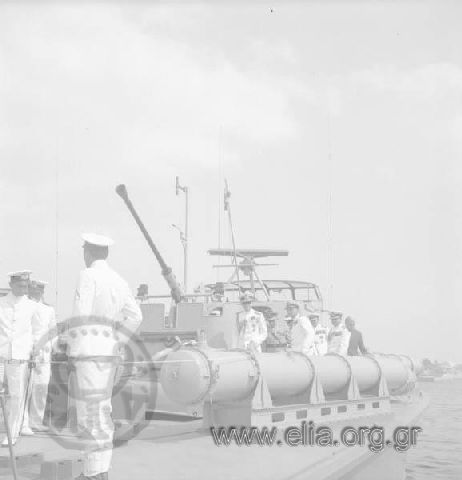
[{"x": 301, "y": 333}]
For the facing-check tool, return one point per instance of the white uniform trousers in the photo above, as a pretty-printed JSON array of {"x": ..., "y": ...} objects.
[
  {"x": 33, "y": 416},
  {"x": 16, "y": 376},
  {"x": 91, "y": 388}
]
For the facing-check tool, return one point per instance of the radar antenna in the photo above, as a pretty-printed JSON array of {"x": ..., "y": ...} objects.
[{"x": 248, "y": 264}]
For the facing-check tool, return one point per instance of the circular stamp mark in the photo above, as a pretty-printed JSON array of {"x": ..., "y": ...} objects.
[{"x": 98, "y": 397}]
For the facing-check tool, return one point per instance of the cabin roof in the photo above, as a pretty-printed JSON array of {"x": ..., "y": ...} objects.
[
  {"x": 246, "y": 253},
  {"x": 269, "y": 284}
]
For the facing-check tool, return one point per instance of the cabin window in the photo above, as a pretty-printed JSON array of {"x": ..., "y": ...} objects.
[{"x": 278, "y": 417}]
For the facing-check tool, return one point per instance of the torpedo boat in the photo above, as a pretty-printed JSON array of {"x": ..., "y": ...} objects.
[{"x": 189, "y": 404}]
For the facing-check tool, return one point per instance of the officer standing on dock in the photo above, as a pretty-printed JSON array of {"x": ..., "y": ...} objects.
[
  {"x": 34, "y": 411},
  {"x": 251, "y": 325},
  {"x": 106, "y": 314},
  {"x": 19, "y": 332},
  {"x": 301, "y": 333},
  {"x": 338, "y": 336}
]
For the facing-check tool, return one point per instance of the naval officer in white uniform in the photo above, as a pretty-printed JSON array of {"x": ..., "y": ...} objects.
[
  {"x": 320, "y": 331},
  {"x": 251, "y": 325},
  {"x": 34, "y": 412},
  {"x": 19, "y": 332},
  {"x": 106, "y": 314},
  {"x": 338, "y": 337},
  {"x": 301, "y": 333}
]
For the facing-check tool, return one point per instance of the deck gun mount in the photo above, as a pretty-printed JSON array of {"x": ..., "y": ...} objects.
[{"x": 167, "y": 273}]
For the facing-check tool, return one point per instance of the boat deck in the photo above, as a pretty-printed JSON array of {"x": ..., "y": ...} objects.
[{"x": 181, "y": 450}]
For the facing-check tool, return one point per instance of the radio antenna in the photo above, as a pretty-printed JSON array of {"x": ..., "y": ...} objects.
[{"x": 227, "y": 208}]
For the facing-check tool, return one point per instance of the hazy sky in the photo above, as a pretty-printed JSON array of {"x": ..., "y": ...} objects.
[{"x": 293, "y": 103}]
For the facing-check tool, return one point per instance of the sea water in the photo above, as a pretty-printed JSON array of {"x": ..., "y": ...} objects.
[{"x": 438, "y": 454}]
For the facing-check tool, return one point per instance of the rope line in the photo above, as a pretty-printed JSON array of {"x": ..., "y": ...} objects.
[{"x": 222, "y": 360}]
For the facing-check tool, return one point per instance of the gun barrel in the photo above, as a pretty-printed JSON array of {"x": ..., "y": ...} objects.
[{"x": 176, "y": 293}]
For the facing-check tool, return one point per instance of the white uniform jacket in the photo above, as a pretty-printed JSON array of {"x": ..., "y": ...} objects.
[
  {"x": 47, "y": 320},
  {"x": 320, "y": 339},
  {"x": 301, "y": 335},
  {"x": 338, "y": 340},
  {"x": 107, "y": 310},
  {"x": 19, "y": 327},
  {"x": 252, "y": 328}
]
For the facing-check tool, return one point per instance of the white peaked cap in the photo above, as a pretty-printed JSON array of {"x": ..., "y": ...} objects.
[
  {"x": 20, "y": 274},
  {"x": 96, "y": 239}
]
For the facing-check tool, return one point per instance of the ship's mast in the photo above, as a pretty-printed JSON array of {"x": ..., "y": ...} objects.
[
  {"x": 56, "y": 226},
  {"x": 330, "y": 223}
]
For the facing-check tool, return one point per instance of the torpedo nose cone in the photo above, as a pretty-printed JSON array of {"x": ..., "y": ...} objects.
[{"x": 185, "y": 376}]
